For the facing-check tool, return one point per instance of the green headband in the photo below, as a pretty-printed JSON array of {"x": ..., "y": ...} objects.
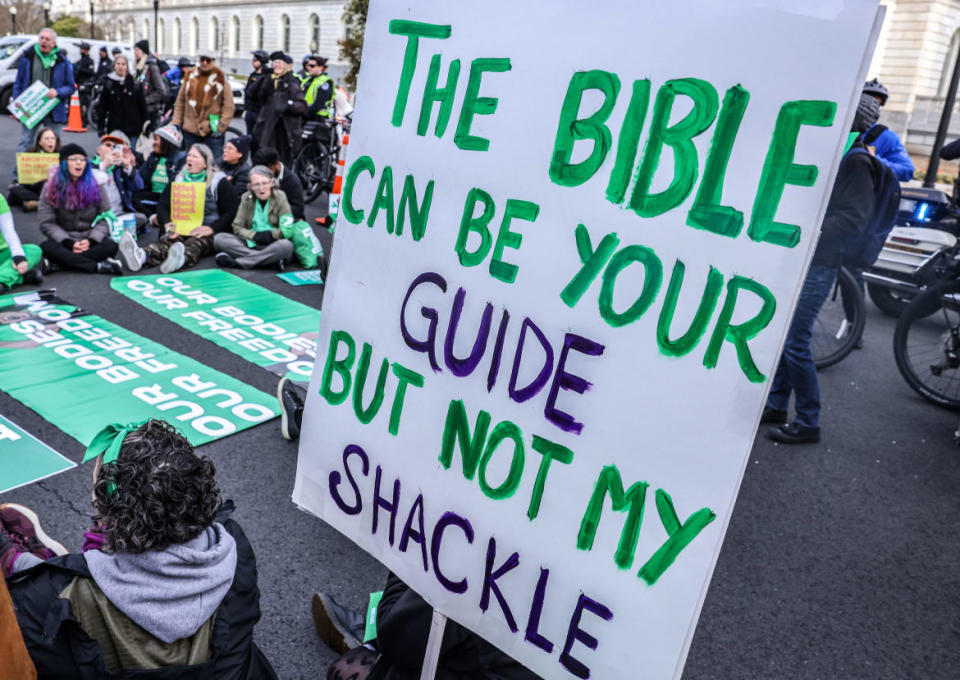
[{"x": 109, "y": 440}]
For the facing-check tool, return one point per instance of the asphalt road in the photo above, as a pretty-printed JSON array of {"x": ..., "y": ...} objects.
[{"x": 841, "y": 560}]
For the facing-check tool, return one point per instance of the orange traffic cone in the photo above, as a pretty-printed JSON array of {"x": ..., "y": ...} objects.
[
  {"x": 75, "y": 121},
  {"x": 334, "y": 209}
]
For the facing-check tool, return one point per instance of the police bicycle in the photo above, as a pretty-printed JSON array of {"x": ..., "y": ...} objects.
[{"x": 316, "y": 164}]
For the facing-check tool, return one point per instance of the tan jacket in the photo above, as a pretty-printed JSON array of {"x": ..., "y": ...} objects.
[{"x": 202, "y": 95}]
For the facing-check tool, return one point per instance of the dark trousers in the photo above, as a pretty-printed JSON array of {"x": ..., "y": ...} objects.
[
  {"x": 21, "y": 193},
  {"x": 796, "y": 371},
  {"x": 65, "y": 258}
]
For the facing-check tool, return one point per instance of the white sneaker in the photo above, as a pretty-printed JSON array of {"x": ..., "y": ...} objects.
[
  {"x": 175, "y": 258},
  {"x": 132, "y": 254}
]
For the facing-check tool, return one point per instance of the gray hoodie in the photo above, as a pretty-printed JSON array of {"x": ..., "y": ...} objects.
[{"x": 169, "y": 593}]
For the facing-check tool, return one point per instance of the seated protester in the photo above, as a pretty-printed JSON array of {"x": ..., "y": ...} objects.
[
  {"x": 115, "y": 170},
  {"x": 257, "y": 239},
  {"x": 161, "y": 166},
  {"x": 28, "y": 195},
  {"x": 173, "y": 251},
  {"x": 287, "y": 180},
  {"x": 18, "y": 263},
  {"x": 403, "y": 627},
  {"x": 71, "y": 212},
  {"x": 236, "y": 162},
  {"x": 166, "y": 585}
]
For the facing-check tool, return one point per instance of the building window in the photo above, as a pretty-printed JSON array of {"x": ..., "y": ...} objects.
[
  {"x": 314, "y": 46},
  {"x": 285, "y": 32},
  {"x": 213, "y": 40},
  {"x": 195, "y": 35},
  {"x": 177, "y": 29},
  {"x": 132, "y": 31},
  {"x": 259, "y": 29},
  {"x": 235, "y": 44},
  {"x": 161, "y": 30}
]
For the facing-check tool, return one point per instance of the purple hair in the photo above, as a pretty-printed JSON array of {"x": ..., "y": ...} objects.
[{"x": 61, "y": 192}]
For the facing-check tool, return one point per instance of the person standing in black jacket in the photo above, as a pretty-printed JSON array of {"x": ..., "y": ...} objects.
[
  {"x": 251, "y": 101},
  {"x": 105, "y": 65},
  {"x": 122, "y": 104},
  {"x": 84, "y": 69},
  {"x": 281, "y": 119},
  {"x": 852, "y": 202}
]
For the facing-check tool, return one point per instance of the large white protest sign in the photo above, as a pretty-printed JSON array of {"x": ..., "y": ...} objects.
[{"x": 571, "y": 238}]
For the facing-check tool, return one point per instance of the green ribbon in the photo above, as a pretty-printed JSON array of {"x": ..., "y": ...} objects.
[
  {"x": 108, "y": 442},
  {"x": 46, "y": 59},
  {"x": 109, "y": 439}
]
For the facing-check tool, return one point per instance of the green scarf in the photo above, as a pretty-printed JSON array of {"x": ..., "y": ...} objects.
[
  {"x": 46, "y": 59},
  {"x": 190, "y": 177},
  {"x": 261, "y": 219}
]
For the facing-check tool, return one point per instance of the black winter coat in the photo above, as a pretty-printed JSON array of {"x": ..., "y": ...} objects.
[
  {"x": 403, "y": 626},
  {"x": 122, "y": 106},
  {"x": 280, "y": 120},
  {"x": 62, "y": 650},
  {"x": 852, "y": 202},
  {"x": 251, "y": 96}
]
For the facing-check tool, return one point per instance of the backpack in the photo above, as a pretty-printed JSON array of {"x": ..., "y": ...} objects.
[
  {"x": 865, "y": 249},
  {"x": 873, "y": 133}
]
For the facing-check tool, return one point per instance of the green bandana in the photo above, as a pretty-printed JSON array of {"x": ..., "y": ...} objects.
[
  {"x": 159, "y": 180},
  {"x": 46, "y": 59},
  {"x": 261, "y": 219},
  {"x": 108, "y": 442},
  {"x": 190, "y": 177}
]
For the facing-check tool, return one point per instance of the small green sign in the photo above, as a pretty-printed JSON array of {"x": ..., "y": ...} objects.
[
  {"x": 304, "y": 278},
  {"x": 370, "y": 630},
  {"x": 25, "y": 459}
]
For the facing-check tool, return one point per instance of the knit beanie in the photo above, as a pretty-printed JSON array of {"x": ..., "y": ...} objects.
[
  {"x": 241, "y": 144},
  {"x": 868, "y": 111},
  {"x": 71, "y": 150},
  {"x": 144, "y": 46}
]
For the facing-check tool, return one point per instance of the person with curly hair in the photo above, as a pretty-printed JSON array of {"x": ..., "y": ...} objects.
[
  {"x": 165, "y": 581},
  {"x": 72, "y": 216}
]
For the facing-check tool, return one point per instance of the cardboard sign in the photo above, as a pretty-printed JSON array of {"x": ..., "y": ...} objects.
[
  {"x": 32, "y": 105},
  {"x": 186, "y": 205},
  {"x": 34, "y": 167},
  {"x": 568, "y": 252}
]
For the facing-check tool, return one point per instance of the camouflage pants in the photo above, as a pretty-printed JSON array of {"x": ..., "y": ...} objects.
[{"x": 194, "y": 248}]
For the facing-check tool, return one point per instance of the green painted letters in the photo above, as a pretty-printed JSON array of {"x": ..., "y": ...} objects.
[
  {"x": 503, "y": 430},
  {"x": 680, "y": 536},
  {"x": 414, "y": 30},
  {"x": 339, "y": 366},
  {"x": 477, "y": 225},
  {"x": 522, "y": 210},
  {"x": 457, "y": 427},
  {"x": 652, "y": 278},
  {"x": 362, "y": 164},
  {"x": 632, "y": 501},
  {"x": 741, "y": 333},
  {"x": 432, "y": 93},
  {"x": 475, "y": 105},
  {"x": 570, "y": 128},
  {"x": 550, "y": 452},
  {"x": 686, "y": 342}
]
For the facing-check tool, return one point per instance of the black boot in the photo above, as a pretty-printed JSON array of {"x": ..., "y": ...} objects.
[{"x": 341, "y": 628}]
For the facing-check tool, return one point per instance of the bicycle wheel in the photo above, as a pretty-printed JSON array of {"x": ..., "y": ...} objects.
[
  {"x": 927, "y": 345},
  {"x": 840, "y": 323},
  {"x": 311, "y": 167}
]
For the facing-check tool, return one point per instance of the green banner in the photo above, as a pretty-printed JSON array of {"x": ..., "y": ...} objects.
[
  {"x": 81, "y": 372},
  {"x": 263, "y": 327},
  {"x": 25, "y": 459},
  {"x": 304, "y": 278}
]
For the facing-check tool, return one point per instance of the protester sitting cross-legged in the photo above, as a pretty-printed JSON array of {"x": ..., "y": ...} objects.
[
  {"x": 166, "y": 585},
  {"x": 71, "y": 212},
  {"x": 257, "y": 239},
  {"x": 161, "y": 166},
  {"x": 173, "y": 251},
  {"x": 19, "y": 263},
  {"x": 116, "y": 171},
  {"x": 402, "y": 629},
  {"x": 28, "y": 195}
]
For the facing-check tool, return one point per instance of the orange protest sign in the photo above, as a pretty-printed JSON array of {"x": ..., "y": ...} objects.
[
  {"x": 186, "y": 205},
  {"x": 34, "y": 167}
]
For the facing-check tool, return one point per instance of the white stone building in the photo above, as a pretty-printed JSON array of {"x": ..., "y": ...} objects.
[{"x": 231, "y": 29}]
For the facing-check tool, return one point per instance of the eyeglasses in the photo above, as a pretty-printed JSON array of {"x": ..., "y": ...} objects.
[
  {"x": 206, "y": 60},
  {"x": 261, "y": 185},
  {"x": 77, "y": 159},
  {"x": 312, "y": 65}
]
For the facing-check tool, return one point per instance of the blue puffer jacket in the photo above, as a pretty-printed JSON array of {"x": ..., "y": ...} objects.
[
  {"x": 61, "y": 81},
  {"x": 891, "y": 152}
]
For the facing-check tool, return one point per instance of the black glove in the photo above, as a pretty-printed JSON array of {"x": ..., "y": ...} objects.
[
  {"x": 17, "y": 259},
  {"x": 263, "y": 238}
]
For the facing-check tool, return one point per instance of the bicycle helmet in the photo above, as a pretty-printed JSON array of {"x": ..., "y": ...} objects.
[
  {"x": 261, "y": 56},
  {"x": 171, "y": 133},
  {"x": 876, "y": 88}
]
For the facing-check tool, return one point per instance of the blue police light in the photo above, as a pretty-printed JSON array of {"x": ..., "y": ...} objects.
[{"x": 922, "y": 210}]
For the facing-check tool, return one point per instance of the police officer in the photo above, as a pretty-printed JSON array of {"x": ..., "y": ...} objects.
[
  {"x": 84, "y": 70},
  {"x": 318, "y": 89},
  {"x": 251, "y": 104},
  {"x": 105, "y": 65}
]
